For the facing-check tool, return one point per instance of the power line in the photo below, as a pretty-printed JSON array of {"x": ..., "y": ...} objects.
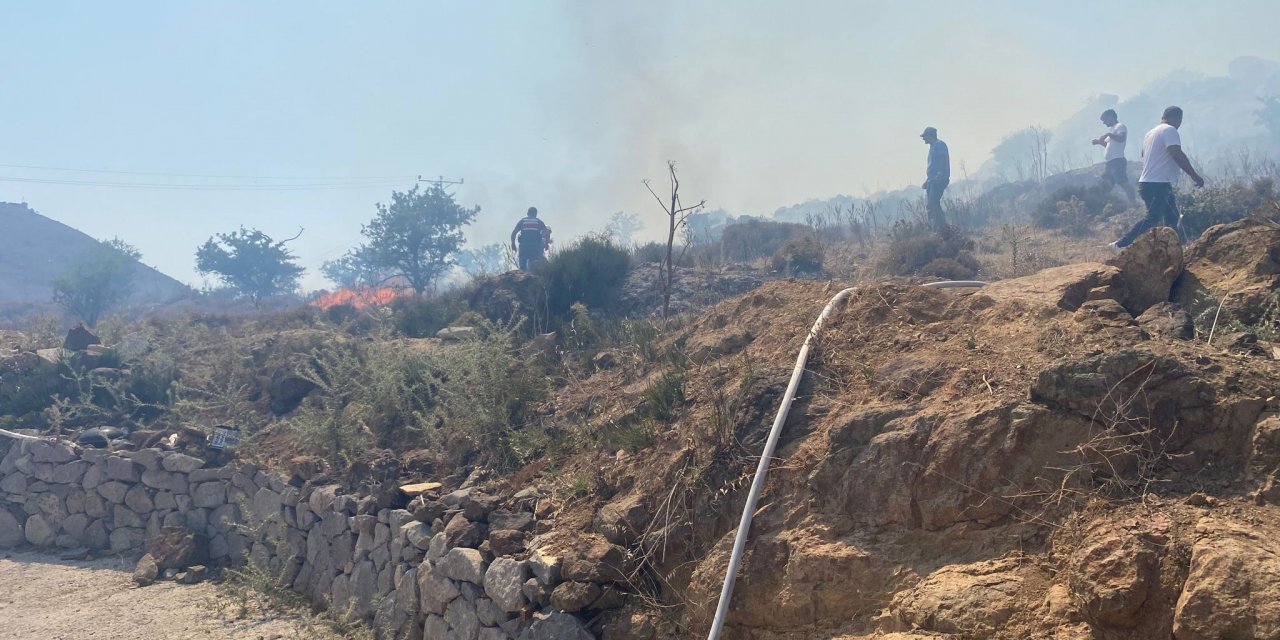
[
  {"x": 320, "y": 186},
  {"x": 199, "y": 175}
]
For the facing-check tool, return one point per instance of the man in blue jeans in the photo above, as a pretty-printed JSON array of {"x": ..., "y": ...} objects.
[
  {"x": 1162, "y": 158},
  {"x": 937, "y": 176}
]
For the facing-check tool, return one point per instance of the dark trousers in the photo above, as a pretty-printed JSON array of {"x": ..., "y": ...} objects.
[
  {"x": 1117, "y": 173},
  {"x": 529, "y": 256},
  {"x": 1161, "y": 210},
  {"x": 933, "y": 194}
]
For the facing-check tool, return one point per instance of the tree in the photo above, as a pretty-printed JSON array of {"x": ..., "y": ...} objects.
[
  {"x": 483, "y": 261},
  {"x": 353, "y": 271},
  {"x": 676, "y": 218},
  {"x": 416, "y": 236},
  {"x": 97, "y": 280},
  {"x": 622, "y": 226},
  {"x": 1026, "y": 152},
  {"x": 250, "y": 262}
]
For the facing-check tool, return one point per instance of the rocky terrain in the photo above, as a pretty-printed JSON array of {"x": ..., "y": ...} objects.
[{"x": 1063, "y": 455}]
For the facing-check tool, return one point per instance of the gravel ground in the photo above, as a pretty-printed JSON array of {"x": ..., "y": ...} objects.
[{"x": 44, "y": 597}]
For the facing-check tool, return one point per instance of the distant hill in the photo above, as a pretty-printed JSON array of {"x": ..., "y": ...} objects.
[{"x": 34, "y": 250}]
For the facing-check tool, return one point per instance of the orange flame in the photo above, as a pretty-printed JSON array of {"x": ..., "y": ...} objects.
[{"x": 358, "y": 298}]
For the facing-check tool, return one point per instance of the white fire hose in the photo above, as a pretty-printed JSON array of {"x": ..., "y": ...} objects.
[{"x": 762, "y": 469}]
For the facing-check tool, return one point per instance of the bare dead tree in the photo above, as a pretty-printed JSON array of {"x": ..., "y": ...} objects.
[{"x": 677, "y": 215}]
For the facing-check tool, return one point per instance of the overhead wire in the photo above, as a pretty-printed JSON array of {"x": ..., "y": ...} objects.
[
  {"x": 173, "y": 186},
  {"x": 196, "y": 181},
  {"x": 204, "y": 175}
]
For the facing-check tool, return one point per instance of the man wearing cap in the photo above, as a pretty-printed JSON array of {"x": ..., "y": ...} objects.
[
  {"x": 937, "y": 176},
  {"x": 1162, "y": 159},
  {"x": 532, "y": 235}
]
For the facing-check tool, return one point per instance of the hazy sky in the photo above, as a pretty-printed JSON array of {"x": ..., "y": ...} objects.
[{"x": 562, "y": 105}]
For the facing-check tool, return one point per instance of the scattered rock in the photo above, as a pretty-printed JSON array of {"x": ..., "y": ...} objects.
[
  {"x": 146, "y": 571},
  {"x": 1167, "y": 320},
  {"x": 178, "y": 547}
]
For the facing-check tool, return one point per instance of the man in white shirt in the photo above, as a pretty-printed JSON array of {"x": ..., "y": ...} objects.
[
  {"x": 1162, "y": 158},
  {"x": 1117, "y": 168}
]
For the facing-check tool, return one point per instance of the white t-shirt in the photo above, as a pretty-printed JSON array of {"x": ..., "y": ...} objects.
[
  {"x": 1115, "y": 148},
  {"x": 1157, "y": 164}
]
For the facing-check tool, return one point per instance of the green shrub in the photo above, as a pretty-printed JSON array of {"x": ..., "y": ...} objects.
[
  {"x": 799, "y": 255},
  {"x": 488, "y": 392},
  {"x": 1203, "y": 208},
  {"x": 417, "y": 317},
  {"x": 590, "y": 271},
  {"x": 664, "y": 395},
  {"x": 915, "y": 249}
]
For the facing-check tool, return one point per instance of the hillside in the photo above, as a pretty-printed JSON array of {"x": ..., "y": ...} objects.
[{"x": 36, "y": 250}]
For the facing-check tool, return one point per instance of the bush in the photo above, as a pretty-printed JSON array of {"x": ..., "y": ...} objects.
[
  {"x": 590, "y": 271},
  {"x": 416, "y": 317},
  {"x": 648, "y": 253},
  {"x": 487, "y": 394},
  {"x": 1074, "y": 208},
  {"x": 915, "y": 249},
  {"x": 746, "y": 241},
  {"x": 1203, "y": 208},
  {"x": 799, "y": 255}
]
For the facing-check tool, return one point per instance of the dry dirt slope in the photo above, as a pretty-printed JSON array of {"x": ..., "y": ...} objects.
[{"x": 1042, "y": 459}]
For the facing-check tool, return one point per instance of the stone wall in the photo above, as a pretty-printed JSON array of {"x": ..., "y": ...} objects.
[{"x": 457, "y": 567}]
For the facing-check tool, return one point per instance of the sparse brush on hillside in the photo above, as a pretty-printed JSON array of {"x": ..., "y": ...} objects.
[
  {"x": 487, "y": 392},
  {"x": 1074, "y": 209},
  {"x": 915, "y": 249}
]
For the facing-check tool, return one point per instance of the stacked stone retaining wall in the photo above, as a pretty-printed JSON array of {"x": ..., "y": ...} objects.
[{"x": 461, "y": 568}]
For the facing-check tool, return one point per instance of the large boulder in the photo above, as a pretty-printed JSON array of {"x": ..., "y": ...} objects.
[
  {"x": 1065, "y": 287},
  {"x": 975, "y": 600},
  {"x": 1237, "y": 264},
  {"x": 1233, "y": 589},
  {"x": 80, "y": 338},
  {"x": 178, "y": 548},
  {"x": 1113, "y": 574},
  {"x": 1148, "y": 268}
]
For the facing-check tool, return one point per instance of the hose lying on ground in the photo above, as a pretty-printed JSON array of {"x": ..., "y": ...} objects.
[{"x": 762, "y": 469}]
